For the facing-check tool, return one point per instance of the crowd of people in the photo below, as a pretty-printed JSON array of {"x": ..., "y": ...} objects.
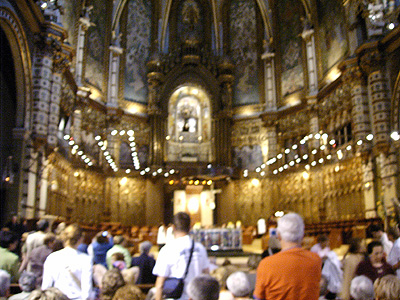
[
  {"x": 59, "y": 265},
  {"x": 363, "y": 268}
]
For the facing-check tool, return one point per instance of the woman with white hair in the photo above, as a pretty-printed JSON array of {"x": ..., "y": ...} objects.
[
  {"x": 238, "y": 284},
  {"x": 362, "y": 288},
  {"x": 27, "y": 283},
  {"x": 5, "y": 281},
  {"x": 203, "y": 287}
]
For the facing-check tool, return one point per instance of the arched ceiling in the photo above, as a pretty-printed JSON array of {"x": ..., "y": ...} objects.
[{"x": 166, "y": 5}]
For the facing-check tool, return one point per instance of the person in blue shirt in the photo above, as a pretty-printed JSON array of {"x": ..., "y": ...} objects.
[{"x": 102, "y": 242}]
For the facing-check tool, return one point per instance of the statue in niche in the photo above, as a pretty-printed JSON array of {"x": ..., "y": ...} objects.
[
  {"x": 306, "y": 23},
  {"x": 188, "y": 120},
  {"x": 190, "y": 15}
]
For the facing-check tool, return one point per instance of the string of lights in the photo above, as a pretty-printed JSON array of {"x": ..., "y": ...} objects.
[
  {"x": 324, "y": 137},
  {"x": 103, "y": 147},
  {"x": 77, "y": 150},
  {"x": 132, "y": 144}
]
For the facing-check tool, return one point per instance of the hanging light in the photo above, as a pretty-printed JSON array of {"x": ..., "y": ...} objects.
[{"x": 8, "y": 174}]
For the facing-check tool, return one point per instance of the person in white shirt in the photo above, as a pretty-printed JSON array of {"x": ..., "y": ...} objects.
[
  {"x": 5, "y": 281},
  {"x": 68, "y": 269},
  {"x": 169, "y": 233},
  {"x": 36, "y": 238},
  {"x": 322, "y": 247},
  {"x": 161, "y": 236},
  {"x": 381, "y": 236},
  {"x": 394, "y": 256},
  {"x": 332, "y": 270},
  {"x": 174, "y": 256}
]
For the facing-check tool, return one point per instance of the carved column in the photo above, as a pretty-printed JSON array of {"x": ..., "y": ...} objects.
[
  {"x": 269, "y": 80},
  {"x": 84, "y": 24},
  {"x": 270, "y": 117},
  {"x": 373, "y": 62},
  {"x": 222, "y": 120},
  {"x": 44, "y": 184},
  {"x": 389, "y": 172},
  {"x": 113, "y": 77},
  {"x": 54, "y": 109},
  {"x": 308, "y": 37},
  {"x": 61, "y": 57},
  {"x": 314, "y": 129},
  {"x": 380, "y": 104},
  {"x": 270, "y": 120},
  {"x": 157, "y": 118},
  {"x": 76, "y": 128},
  {"x": 222, "y": 127},
  {"x": 82, "y": 94},
  {"x": 30, "y": 181},
  {"x": 354, "y": 77},
  {"x": 42, "y": 75},
  {"x": 111, "y": 141},
  {"x": 42, "y": 97},
  {"x": 272, "y": 141}
]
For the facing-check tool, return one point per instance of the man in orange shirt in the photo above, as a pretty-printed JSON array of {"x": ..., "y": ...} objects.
[{"x": 293, "y": 273}]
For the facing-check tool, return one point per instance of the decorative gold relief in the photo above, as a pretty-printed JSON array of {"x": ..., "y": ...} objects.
[
  {"x": 296, "y": 124},
  {"x": 248, "y": 133},
  {"x": 328, "y": 194}
]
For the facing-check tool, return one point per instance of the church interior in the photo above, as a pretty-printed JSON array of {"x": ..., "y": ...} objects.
[{"x": 125, "y": 112}]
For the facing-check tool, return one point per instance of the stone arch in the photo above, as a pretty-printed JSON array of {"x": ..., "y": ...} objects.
[
  {"x": 395, "y": 106},
  {"x": 13, "y": 29},
  {"x": 192, "y": 75},
  {"x": 13, "y": 197}
]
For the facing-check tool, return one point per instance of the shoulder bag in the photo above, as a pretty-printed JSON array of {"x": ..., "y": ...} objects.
[{"x": 173, "y": 287}]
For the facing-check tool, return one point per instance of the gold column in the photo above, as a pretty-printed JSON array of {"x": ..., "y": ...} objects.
[
  {"x": 354, "y": 76},
  {"x": 373, "y": 63},
  {"x": 157, "y": 117}
]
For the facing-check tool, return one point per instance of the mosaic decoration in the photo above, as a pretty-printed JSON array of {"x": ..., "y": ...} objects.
[
  {"x": 290, "y": 44},
  {"x": 138, "y": 33},
  {"x": 95, "y": 41},
  {"x": 243, "y": 35},
  {"x": 332, "y": 35}
]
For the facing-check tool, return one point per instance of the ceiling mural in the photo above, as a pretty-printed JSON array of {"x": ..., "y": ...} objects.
[
  {"x": 243, "y": 50},
  {"x": 332, "y": 35},
  {"x": 290, "y": 45},
  {"x": 138, "y": 36},
  {"x": 96, "y": 38}
]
